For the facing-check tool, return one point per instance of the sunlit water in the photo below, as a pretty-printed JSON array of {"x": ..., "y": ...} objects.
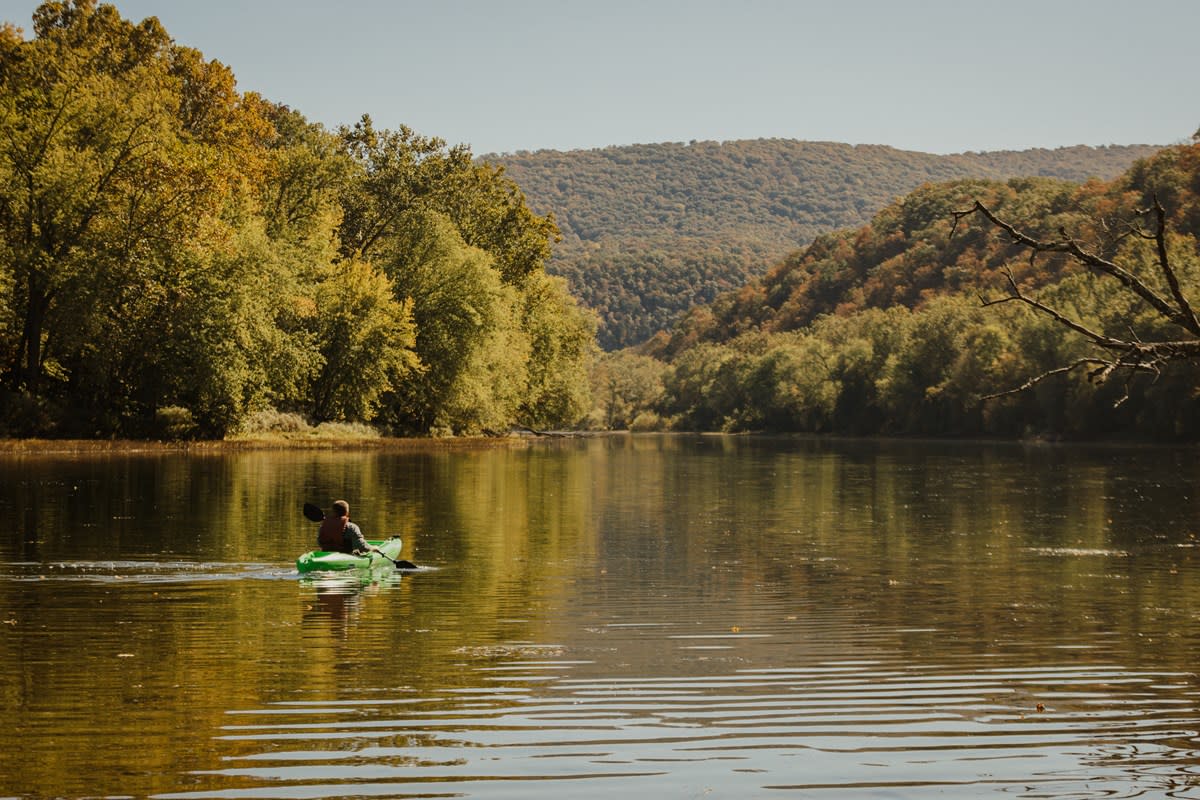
[{"x": 678, "y": 617}]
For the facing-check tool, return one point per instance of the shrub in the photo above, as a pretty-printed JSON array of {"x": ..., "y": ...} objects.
[
  {"x": 345, "y": 430},
  {"x": 646, "y": 422},
  {"x": 271, "y": 421},
  {"x": 175, "y": 422}
]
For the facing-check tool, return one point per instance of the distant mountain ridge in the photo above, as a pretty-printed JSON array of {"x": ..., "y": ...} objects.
[{"x": 650, "y": 230}]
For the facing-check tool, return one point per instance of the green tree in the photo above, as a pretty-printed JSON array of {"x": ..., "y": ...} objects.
[
  {"x": 499, "y": 341},
  {"x": 306, "y": 172},
  {"x": 792, "y": 386},
  {"x": 695, "y": 384},
  {"x": 861, "y": 345},
  {"x": 491, "y": 213},
  {"x": 118, "y": 152},
  {"x": 625, "y": 385},
  {"x": 464, "y": 316},
  {"x": 562, "y": 340},
  {"x": 169, "y": 244},
  {"x": 366, "y": 340},
  {"x": 397, "y": 172}
]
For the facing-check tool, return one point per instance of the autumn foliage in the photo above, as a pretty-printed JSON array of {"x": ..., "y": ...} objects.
[{"x": 882, "y": 328}]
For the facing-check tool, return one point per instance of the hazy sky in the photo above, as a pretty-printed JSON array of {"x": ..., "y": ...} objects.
[{"x": 930, "y": 75}]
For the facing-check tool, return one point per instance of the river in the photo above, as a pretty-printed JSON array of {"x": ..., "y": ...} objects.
[{"x": 674, "y": 616}]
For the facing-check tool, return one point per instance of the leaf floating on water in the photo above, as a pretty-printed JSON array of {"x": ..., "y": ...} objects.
[
  {"x": 735, "y": 629},
  {"x": 1040, "y": 708}
]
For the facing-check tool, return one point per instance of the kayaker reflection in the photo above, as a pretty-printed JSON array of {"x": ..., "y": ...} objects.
[{"x": 339, "y": 535}]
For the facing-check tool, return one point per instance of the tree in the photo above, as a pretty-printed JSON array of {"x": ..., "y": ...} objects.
[
  {"x": 120, "y": 155},
  {"x": 1146, "y": 346},
  {"x": 366, "y": 340},
  {"x": 401, "y": 171},
  {"x": 624, "y": 385},
  {"x": 491, "y": 214},
  {"x": 698, "y": 384},
  {"x": 306, "y": 171},
  {"x": 74, "y": 140},
  {"x": 465, "y": 317},
  {"x": 790, "y": 387},
  {"x": 398, "y": 172},
  {"x": 561, "y": 345},
  {"x": 499, "y": 341}
]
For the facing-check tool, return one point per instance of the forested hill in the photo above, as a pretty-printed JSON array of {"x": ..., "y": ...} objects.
[
  {"x": 651, "y": 230},
  {"x": 930, "y": 320}
]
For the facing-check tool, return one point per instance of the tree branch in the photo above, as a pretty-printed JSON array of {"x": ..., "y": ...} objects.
[
  {"x": 1179, "y": 316},
  {"x": 1160, "y": 238},
  {"x": 1017, "y": 295},
  {"x": 1034, "y": 381},
  {"x": 1131, "y": 355}
]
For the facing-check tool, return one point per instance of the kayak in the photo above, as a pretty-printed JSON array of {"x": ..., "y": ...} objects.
[{"x": 331, "y": 560}]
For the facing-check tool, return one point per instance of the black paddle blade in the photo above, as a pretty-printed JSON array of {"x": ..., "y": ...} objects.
[
  {"x": 312, "y": 513},
  {"x": 402, "y": 564}
]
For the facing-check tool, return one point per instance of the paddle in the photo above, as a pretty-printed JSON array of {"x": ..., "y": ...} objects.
[
  {"x": 314, "y": 514},
  {"x": 401, "y": 563}
]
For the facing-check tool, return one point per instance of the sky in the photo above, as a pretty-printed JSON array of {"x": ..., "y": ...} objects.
[{"x": 928, "y": 75}]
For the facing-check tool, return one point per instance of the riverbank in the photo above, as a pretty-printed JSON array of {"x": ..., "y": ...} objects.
[
  {"x": 83, "y": 446},
  {"x": 514, "y": 438}
]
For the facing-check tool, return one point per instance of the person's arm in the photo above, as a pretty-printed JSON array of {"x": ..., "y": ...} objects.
[{"x": 360, "y": 542}]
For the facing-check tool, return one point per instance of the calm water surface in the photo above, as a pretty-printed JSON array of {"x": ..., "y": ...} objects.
[{"x": 680, "y": 617}]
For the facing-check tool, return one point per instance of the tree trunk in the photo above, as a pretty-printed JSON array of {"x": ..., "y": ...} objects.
[{"x": 29, "y": 363}]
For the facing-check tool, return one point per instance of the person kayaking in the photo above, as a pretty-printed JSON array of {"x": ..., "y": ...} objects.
[{"x": 339, "y": 534}]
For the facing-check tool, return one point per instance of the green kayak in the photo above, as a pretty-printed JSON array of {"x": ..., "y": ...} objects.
[{"x": 328, "y": 560}]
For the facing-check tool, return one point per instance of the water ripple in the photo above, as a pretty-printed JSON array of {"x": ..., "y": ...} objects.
[{"x": 859, "y": 729}]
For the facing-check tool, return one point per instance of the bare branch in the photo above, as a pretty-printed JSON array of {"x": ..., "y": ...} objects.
[
  {"x": 1128, "y": 356},
  {"x": 1160, "y": 237},
  {"x": 1017, "y": 295},
  {"x": 1034, "y": 381},
  {"x": 1071, "y": 247}
]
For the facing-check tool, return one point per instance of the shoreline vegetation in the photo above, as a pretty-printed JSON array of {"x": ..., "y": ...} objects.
[
  {"x": 25, "y": 447},
  {"x": 300, "y": 436},
  {"x": 517, "y": 437},
  {"x": 918, "y": 325}
]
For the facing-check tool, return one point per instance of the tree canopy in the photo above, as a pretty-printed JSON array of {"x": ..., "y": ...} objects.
[{"x": 171, "y": 247}]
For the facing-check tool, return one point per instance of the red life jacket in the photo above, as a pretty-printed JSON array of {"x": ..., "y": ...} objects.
[{"x": 332, "y": 535}]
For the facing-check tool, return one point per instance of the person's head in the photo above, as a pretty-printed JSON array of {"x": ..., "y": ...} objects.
[{"x": 341, "y": 508}]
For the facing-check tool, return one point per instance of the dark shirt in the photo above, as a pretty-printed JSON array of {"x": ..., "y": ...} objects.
[{"x": 352, "y": 536}]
